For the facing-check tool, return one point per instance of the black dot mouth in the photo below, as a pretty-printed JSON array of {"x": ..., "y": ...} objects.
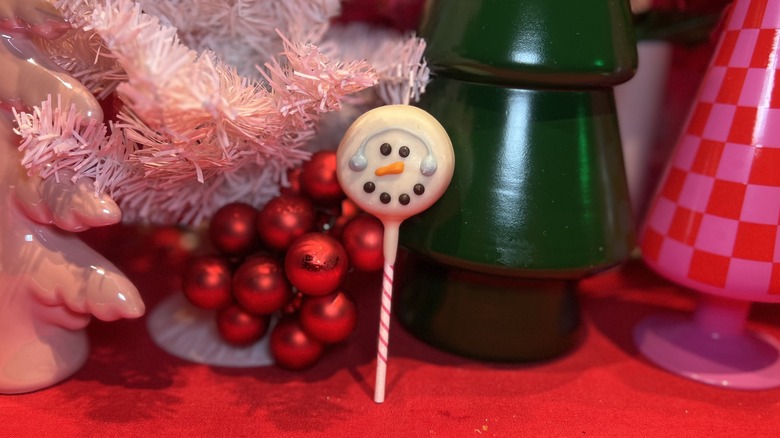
[{"x": 386, "y": 198}]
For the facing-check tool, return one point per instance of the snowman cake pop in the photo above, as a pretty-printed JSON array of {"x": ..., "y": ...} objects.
[{"x": 395, "y": 161}]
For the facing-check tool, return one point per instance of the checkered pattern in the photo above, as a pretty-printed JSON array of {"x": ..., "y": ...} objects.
[{"x": 714, "y": 223}]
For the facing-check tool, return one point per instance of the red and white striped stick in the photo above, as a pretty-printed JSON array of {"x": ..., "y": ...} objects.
[
  {"x": 384, "y": 333},
  {"x": 390, "y": 249}
]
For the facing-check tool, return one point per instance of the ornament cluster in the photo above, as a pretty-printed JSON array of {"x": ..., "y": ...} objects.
[{"x": 285, "y": 264}]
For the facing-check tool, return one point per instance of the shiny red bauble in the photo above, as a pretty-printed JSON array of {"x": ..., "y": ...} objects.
[
  {"x": 171, "y": 245},
  {"x": 318, "y": 179},
  {"x": 329, "y": 318},
  {"x": 293, "y": 186},
  {"x": 348, "y": 211},
  {"x": 260, "y": 286},
  {"x": 316, "y": 264},
  {"x": 293, "y": 305},
  {"x": 207, "y": 282},
  {"x": 233, "y": 229},
  {"x": 363, "y": 239},
  {"x": 292, "y": 347},
  {"x": 111, "y": 106},
  {"x": 283, "y": 219},
  {"x": 239, "y": 327}
]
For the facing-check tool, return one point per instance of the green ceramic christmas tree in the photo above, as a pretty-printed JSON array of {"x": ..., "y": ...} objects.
[{"x": 539, "y": 198}]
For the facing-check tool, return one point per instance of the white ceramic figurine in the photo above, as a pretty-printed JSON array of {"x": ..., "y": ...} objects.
[{"x": 51, "y": 283}]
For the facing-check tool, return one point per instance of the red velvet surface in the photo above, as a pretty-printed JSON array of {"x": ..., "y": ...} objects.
[
  {"x": 603, "y": 387},
  {"x": 130, "y": 387}
]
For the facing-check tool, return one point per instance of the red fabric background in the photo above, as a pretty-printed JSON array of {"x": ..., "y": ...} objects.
[{"x": 130, "y": 387}]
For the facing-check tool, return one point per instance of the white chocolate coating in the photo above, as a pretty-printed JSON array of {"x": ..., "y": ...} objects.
[{"x": 430, "y": 161}]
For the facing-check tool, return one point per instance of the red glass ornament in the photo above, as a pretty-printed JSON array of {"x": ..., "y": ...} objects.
[
  {"x": 292, "y": 347},
  {"x": 233, "y": 229},
  {"x": 318, "y": 179},
  {"x": 293, "y": 305},
  {"x": 316, "y": 264},
  {"x": 206, "y": 282},
  {"x": 111, "y": 106},
  {"x": 239, "y": 327},
  {"x": 260, "y": 286},
  {"x": 329, "y": 318},
  {"x": 363, "y": 240},
  {"x": 347, "y": 211},
  {"x": 172, "y": 245},
  {"x": 283, "y": 219},
  {"x": 293, "y": 181}
]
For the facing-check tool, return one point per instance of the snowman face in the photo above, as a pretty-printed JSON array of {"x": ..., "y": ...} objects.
[{"x": 395, "y": 161}]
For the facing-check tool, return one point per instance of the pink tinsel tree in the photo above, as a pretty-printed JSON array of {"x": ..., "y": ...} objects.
[{"x": 217, "y": 98}]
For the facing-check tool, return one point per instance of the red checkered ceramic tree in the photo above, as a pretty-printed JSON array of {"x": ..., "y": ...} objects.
[{"x": 713, "y": 225}]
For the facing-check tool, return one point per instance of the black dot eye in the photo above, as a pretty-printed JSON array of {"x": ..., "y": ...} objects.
[
  {"x": 385, "y": 198},
  {"x": 369, "y": 187},
  {"x": 404, "y": 199},
  {"x": 385, "y": 149},
  {"x": 403, "y": 151},
  {"x": 419, "y": 189}
]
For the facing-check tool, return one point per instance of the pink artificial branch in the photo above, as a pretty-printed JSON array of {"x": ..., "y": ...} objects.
[{"x": 193, "y": 134}]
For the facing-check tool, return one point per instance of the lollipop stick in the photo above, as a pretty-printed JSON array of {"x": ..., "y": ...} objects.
[
  {"x": 390, "y": 250},
  {"x": 384, "y": 333}
]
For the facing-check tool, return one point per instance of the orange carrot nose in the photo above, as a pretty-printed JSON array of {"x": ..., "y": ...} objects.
[{"x": 390, "y": 169}]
